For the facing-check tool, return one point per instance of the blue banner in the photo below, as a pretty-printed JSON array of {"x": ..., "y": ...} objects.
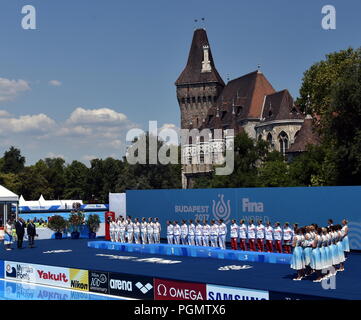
[{"x": 294, "y": 205}]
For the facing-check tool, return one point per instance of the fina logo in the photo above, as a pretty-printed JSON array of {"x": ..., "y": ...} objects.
[
  {"x": 248, "y": 206},
  {"x": 235, "y": 267},
  {"x": 221, "y": 209}
]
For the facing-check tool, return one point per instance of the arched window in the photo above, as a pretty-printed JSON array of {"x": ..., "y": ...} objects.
[
  {"x": 201, "y": 157},
  {"x": 270, "y": 139},
  {"x": 283, "y": 139}
]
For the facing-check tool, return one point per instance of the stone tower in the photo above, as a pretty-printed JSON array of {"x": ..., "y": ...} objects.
[{"x": 199, "y": 85}]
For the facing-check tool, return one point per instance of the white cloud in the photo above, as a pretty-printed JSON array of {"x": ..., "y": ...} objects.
[
  {"x": 55, "y": 83},
  {"x": 4, "y": 114},
  {"x": 96, "y": 116},
  {"x": 9, "y": 89},
  {"x": 52, "y": 155},
  {"x": 28, "y": 123}
]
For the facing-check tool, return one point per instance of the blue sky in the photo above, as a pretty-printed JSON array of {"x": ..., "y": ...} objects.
[{"x": 94, "y": 68}]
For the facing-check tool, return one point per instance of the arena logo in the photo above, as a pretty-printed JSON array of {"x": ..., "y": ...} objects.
[
  {"x": 248, "y": 206},
  {"x": 121, "y": 285},
  {"x": 221, "y": 209}
]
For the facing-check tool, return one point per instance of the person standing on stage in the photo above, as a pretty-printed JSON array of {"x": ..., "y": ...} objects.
[
  {"x": 169, "y": 232},
  {"x": 20, "y": 231},
  {"x": 297, "y": 261},
  {"x": 214, "y": 232},
  {"x": 130, "y": 230},
  {"x": 143, "y": 230},
  {"x": 156, "y": 230},
  {"x": 260, "y": 236},
  {"x": 136, "y": 227},
  {"x": 206, "y": 232},
  {"x": 269, "y": 237},
  {"x": 122, "y": 229},
  {"x": 117, "y": 230},
  {"x": 184, "y": 232},
  {"x": 199, "y": 233},
  {"x": 287, "y": 237},
  {"x": 112, "y": 230},
  {"x": 8, "y": 236},
  {"x": 31, "y": 231},
  {"x": 277, "y": 234},
  {"x": 222, "y": 234},
  {"x": 251, "y": 230},
  {"x": 234, "y": 235},
  {"x": 345, "y": 240},
  {"x": 242, "y": 235},
  {"x": 191, "y": 233},
  {"x": 176, "y": 232},
  {"x": 150, "y": 231}
]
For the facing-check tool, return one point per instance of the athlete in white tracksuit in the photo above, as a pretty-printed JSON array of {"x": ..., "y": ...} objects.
[
  {"x": 117, "y": 230},
  {"x": 170, "y": 232},
  {"x": 222, "y": 234},
  {"x": 205, "y": 231},
  {"x": 176, "y": 232},
  {"x": 112, "y": 230},
  {"x": 191, "y": 233},
  {"x": 122, "y": 230},
  {"x": 214, "y": 230},
  {"x": 143, "y": 231},
  {"x": 184, "y": 232},
  {"x": 150, "y": 231},
  {"x": 136, "y": 228},
  {"x": 130, "y": 230},
  {"x": 156, "y": 230},
  {"x": 199, "y": 233}
]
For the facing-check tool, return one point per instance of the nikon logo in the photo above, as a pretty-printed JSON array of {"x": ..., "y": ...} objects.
[
  {"x": 121, "y": 285},
  {"x": 78, "y": 285}
]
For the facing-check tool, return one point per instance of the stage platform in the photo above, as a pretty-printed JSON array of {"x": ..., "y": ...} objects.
[
  {"x": 193, "y": 251},
  {"x": 275, "y": 279}
]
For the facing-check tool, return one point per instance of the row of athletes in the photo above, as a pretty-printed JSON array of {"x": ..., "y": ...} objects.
[
  {"x": 320, "y": 251},
  {"x": 266, "y": 237},
  {"x": 132, "y": 231}
]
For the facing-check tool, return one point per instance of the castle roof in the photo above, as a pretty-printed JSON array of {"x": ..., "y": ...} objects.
[
  {"x": 192, "y": 73},
  {"x": 242, "y": 98},
  {"x": 306, "y": 136},
  {"x": 279, "y": 106}
]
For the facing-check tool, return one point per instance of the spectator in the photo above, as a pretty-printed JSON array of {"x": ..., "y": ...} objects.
[{"x": 31, "y": 231}]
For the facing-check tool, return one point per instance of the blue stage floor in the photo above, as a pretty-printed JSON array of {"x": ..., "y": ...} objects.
[{"x": 262, "y": 276}]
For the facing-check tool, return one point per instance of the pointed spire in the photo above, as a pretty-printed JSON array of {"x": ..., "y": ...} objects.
[{"x": 200, "y": 58}]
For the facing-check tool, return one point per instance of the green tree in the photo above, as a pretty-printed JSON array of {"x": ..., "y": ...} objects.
[
  {"x": 13, "y": 161},
  {"x": 334, "y": 87}
]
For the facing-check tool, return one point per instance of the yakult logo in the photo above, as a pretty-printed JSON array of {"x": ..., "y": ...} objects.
[
  {"x": 58, "y": 277},
  {"x": 222, "y": 209}
]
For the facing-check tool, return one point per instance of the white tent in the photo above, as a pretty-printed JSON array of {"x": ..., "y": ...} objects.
[{"x": 7, "y": 198}]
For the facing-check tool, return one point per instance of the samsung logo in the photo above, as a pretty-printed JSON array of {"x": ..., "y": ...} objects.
[{"x": 230, "y": 296}]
